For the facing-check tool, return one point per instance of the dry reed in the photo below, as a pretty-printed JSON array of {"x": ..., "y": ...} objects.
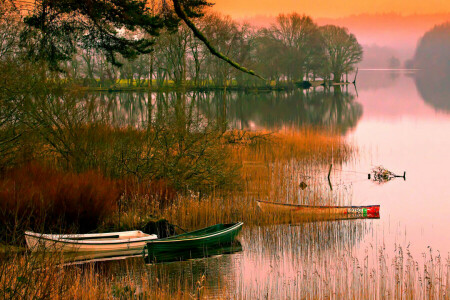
[{"x": 272, "y": 165}]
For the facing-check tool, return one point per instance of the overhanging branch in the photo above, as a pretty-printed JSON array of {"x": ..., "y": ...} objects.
[{"x": 182, "y": 15}]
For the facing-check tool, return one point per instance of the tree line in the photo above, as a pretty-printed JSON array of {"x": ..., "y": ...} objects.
[
  {"x": 293, "y": 48},
  {"x": 290, "y": 50}
]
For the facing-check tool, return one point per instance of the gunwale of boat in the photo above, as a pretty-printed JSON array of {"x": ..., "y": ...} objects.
[
  {"x": 124, "y": 237},
  {"x": 313, "y": 206},
  {"x": 184, "y": 237}
]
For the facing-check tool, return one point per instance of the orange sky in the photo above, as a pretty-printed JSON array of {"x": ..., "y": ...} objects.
[{"x": 329, "y": 8}]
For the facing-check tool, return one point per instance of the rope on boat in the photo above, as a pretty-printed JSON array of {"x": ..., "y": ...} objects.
[{"x": 175, "y": 225}]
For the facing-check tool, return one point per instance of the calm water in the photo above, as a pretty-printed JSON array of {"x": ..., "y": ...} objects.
[{"x": 396, "y": 119}]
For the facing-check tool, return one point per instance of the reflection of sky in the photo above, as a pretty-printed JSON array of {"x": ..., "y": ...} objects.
[
  {"x": 387, "y": 97},
  {"x": 401, "y": 132}
]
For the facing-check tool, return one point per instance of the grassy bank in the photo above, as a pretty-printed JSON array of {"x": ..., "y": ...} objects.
[{"x": 232, "y": 85}]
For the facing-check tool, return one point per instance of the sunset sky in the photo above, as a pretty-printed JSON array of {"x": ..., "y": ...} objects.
[
  {"x": 397, "y": 24},
  {"x": 329, "y": 8}
]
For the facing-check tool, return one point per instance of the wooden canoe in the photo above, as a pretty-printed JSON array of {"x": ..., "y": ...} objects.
[
  {"x": 203, "y": 239},
  {"x": 370, "y": 211},
  {"x": 112, "y": 241}
]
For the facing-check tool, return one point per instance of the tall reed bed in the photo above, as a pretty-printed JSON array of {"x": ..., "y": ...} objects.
[
  {"x": 274, "y": 167},
  {"x": 304, "y": 262},
  {"x": 44, "y": 276},
  {"x": 271, "y": 167},
  {"x": 45, "y": 199},
  {"x": 272, "y": 267}
]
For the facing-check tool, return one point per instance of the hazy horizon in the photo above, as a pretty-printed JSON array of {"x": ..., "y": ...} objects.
[
  {"x": 394, "y": 33},
  {"x": 328, "y": 8}
]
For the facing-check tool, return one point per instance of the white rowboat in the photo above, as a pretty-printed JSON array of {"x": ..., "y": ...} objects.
[{"x": 111, "y": 241}]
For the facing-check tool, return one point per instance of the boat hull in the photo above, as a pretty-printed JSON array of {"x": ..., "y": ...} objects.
[
  {"x": 371, "y": 211},
  {"x": 211, "y": 237},
  {"x": 117, "y": 241}
]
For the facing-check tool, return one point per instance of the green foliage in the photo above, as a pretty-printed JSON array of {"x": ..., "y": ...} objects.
[{"x": 17, "y": 80}]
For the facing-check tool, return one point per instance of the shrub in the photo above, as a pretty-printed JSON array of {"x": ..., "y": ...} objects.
[{"x": 43, "y": 199}]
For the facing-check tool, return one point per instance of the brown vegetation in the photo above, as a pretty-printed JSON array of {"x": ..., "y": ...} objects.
[{"x": 40, "y": 198}]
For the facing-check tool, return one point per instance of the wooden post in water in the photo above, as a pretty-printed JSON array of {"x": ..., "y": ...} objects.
[
  {"x": 329, "y": 173},
  {"x": 356, "y": 74}
]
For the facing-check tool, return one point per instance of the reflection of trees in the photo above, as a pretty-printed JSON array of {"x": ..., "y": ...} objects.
[
  {"x": 433, "y": 58},
  {"x": 434, "y": 88},
  {"x": 125, "y": 108},
  {"x": 319, "y": 108},
  {"x": 273, "y": 110}
]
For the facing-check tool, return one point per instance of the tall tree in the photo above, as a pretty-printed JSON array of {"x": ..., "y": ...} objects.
[
  {"x": 342, "y": 51},
  {"x": 433, "y": 50},
  {"x": 125, "y": 27},
  {"x": 298, "y": 36}
]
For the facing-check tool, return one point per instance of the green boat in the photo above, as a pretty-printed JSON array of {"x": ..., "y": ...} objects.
[
  {"x": 183, "y": 255},
  {"x": 212, "y": 237}
]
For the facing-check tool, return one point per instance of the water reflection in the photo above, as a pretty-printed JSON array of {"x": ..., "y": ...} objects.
[
  {"x": 281, "y": 261},
  {"x": 377, "y": 79},
  {"x": 71, "y": 258},
  {"x": 319, "y": 108},
  {"x": 335, "y": 109},
  {"x": 186, "y": 254},
  {"x": 434, "y": 88}
]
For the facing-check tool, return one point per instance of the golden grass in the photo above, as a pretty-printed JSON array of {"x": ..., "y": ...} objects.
[
  {"x": 312, "y": 145},
  {"x": 271, "y": 167},
  {"x": 44, "y": 277},
  {"x": 339, "y": 276}
]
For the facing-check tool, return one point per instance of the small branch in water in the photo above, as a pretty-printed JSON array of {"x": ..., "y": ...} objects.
[
  {"x": 382, "y": 175},
  {"x": 401, "y": 176}
]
